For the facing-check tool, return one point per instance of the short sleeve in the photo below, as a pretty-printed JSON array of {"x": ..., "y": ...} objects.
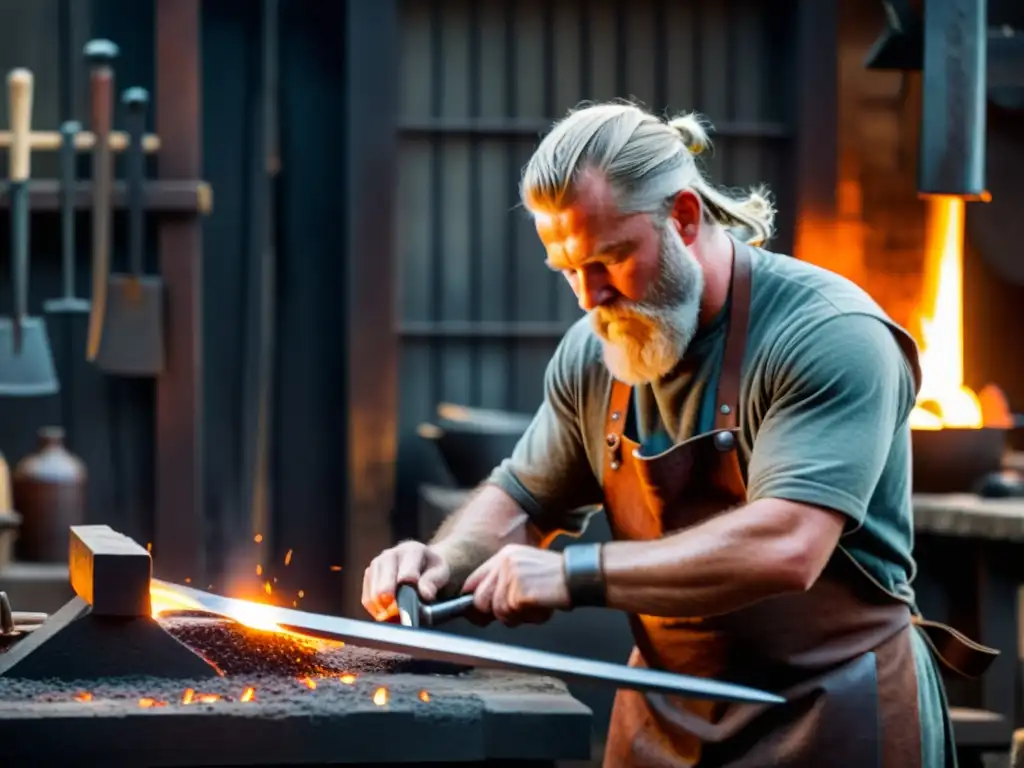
[
  {"x": 836, "y": 397},
  {"x": 549, "y": 474}
]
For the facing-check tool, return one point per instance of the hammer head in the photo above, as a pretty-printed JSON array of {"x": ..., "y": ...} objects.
[{"x": 408, "y": 600}]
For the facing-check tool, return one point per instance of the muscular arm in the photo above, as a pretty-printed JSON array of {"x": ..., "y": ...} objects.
[
  {"x": 489, "y": 520},
  {"x": 838, "y": 397},
  {"x": 533, "y": 495},
  {"x": 759, "y": 550}
]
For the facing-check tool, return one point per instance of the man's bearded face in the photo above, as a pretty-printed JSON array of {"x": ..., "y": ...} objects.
[{"x": 644, "y": 340}]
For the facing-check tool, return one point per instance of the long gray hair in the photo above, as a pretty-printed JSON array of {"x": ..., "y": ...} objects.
[{"x": 646, "y": 160}]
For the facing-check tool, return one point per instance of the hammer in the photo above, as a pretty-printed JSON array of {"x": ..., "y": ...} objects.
[{"x": 412, "y": 612}]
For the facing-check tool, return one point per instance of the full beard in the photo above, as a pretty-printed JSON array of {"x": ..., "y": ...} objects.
[{"x": 643, "y": 341}]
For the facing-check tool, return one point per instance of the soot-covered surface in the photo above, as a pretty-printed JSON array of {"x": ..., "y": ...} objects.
[
  {"x": 238, "y": 650},
  {"x": 288, "y": 700}
]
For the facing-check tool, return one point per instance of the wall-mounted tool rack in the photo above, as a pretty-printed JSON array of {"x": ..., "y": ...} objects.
[{"x": 176, "y": 199}]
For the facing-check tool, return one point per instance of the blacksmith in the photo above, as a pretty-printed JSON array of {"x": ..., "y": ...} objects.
[{"x": 741, "y": 417}]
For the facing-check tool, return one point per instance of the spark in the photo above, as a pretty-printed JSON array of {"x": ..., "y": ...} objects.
[
  {"x": 267, "y": 588},
  {"x": 83, "y": 696},
  {"x": 258, "y": 538},
  {"x": 148, "y": 703},
  {"x": 424, "y": 696},
  {"x": 309, "y": 682},
  {"x": 288, "y": 557},
  {"x": 335, "y": 567},
  {"x": 249, "y": 695},
  {"x": 259, "y": 569},
  {"x": 301, "y": 593},
  {"x": 209, "y": 698},
  {"x": 149, "y": 546},
  {"x": 188, "y": 579},
  {"x": 188, "y": 696},
  {"x": 380, "y": 697},
  {"x": 347, "y": 679}
]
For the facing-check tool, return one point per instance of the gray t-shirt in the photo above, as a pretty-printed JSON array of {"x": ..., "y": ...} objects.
[{"x": 828, "y": 383}]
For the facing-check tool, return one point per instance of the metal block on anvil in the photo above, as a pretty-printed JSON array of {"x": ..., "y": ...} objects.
[{"x": 107, "y": 629}]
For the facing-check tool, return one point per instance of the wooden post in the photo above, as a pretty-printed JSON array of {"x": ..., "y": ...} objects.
[
  {"x": 178, "y": 520},
  {"x": 817, "y": 158},
  {"x": 372, "y": 364}
]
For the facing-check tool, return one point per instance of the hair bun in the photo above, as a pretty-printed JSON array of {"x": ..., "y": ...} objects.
[{"x": 693, "y": 130}]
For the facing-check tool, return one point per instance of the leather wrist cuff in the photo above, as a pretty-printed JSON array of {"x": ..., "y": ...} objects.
[{"x": 584, "y": 575}]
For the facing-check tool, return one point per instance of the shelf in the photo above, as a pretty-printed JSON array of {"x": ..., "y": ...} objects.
[
  {"x": 51, "y": 141},
  {"x": 185, "y": 196}
]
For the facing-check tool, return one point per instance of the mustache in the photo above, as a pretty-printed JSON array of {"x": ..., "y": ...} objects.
[{"x": 623, "y": 309}]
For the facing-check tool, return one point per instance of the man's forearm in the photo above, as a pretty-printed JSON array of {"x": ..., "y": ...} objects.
[
  {"x": 764, "y": 549},
  {"x": 486, "y": 523}
]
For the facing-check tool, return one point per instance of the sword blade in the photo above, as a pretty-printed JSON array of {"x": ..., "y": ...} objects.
[{"x": 440, "y": 646}]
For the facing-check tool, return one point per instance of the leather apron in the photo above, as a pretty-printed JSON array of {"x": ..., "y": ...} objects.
[{"x": 840, "y": 653}]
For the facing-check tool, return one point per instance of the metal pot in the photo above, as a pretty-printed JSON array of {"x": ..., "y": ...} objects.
[
  {"x": 484, "y": 417},
  {"x": 956, "y": 460},
  {"x": 472, "y": 447}
]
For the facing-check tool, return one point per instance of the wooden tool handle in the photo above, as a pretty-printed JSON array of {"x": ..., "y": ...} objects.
[
  {"x": 28, "y": 618},
  {"x": 19, "y": 92},
  {"x": 102, "y": 113},
  {"x": 100, "y": 55}
]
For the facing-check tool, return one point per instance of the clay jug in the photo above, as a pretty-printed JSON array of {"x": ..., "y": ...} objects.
[{"x": 50, "y": 494}]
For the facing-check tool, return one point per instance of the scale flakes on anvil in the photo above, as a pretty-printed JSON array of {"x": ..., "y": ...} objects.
[{"x": 438, "y": 646}]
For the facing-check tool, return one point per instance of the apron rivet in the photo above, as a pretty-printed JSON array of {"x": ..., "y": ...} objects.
[
  {"x": 725, "y": 409},
  {"x": 612, "y": 440},
  {"x": 615, "y": 465},
  {"x": 615, "y": 415},
  {"x": 725, "y": 441}
]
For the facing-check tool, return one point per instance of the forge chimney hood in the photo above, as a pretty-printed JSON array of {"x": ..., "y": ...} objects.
[
  {"x": 951, "y": 147},
  {"x": 901, "y": 44},
  {"x": 968, "y": 51}
]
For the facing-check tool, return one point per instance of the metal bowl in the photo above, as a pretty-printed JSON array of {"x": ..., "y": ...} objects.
[
  {"x": 956, "y": 460},
  {"x": 472, "y": 448}
]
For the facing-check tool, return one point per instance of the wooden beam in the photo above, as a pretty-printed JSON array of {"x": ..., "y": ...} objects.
[
  {"x": 817, "y": 126},
  {"x": 178, "y": 520},
  {"x": 371, "y": 39}
]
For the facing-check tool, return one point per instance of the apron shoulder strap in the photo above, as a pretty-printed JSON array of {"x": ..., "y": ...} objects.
[{"x": 728, "y": 395}]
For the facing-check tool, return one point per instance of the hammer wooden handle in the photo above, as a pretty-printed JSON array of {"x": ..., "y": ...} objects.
[
  {"x": 19, "y": 92},
  {"x": 28, "y": 618}
]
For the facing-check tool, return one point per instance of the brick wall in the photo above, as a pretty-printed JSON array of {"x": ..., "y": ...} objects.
[{"x": 879, "y": 237}]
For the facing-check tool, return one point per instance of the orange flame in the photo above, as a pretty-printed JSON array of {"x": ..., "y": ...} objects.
[
  {"x": 943, "y": 400},
  {"x": 309, "y": 682},
  {"x": 347, "y": 679},
  {"x": 83, "y": 696},
  {"x": 424, "y": 696},
  {"x": 165, "y": 598},
  {"x": 249, "y": 694},
  {"x": 380, "y": 697},
  {"x": 188, "y": 696}
]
